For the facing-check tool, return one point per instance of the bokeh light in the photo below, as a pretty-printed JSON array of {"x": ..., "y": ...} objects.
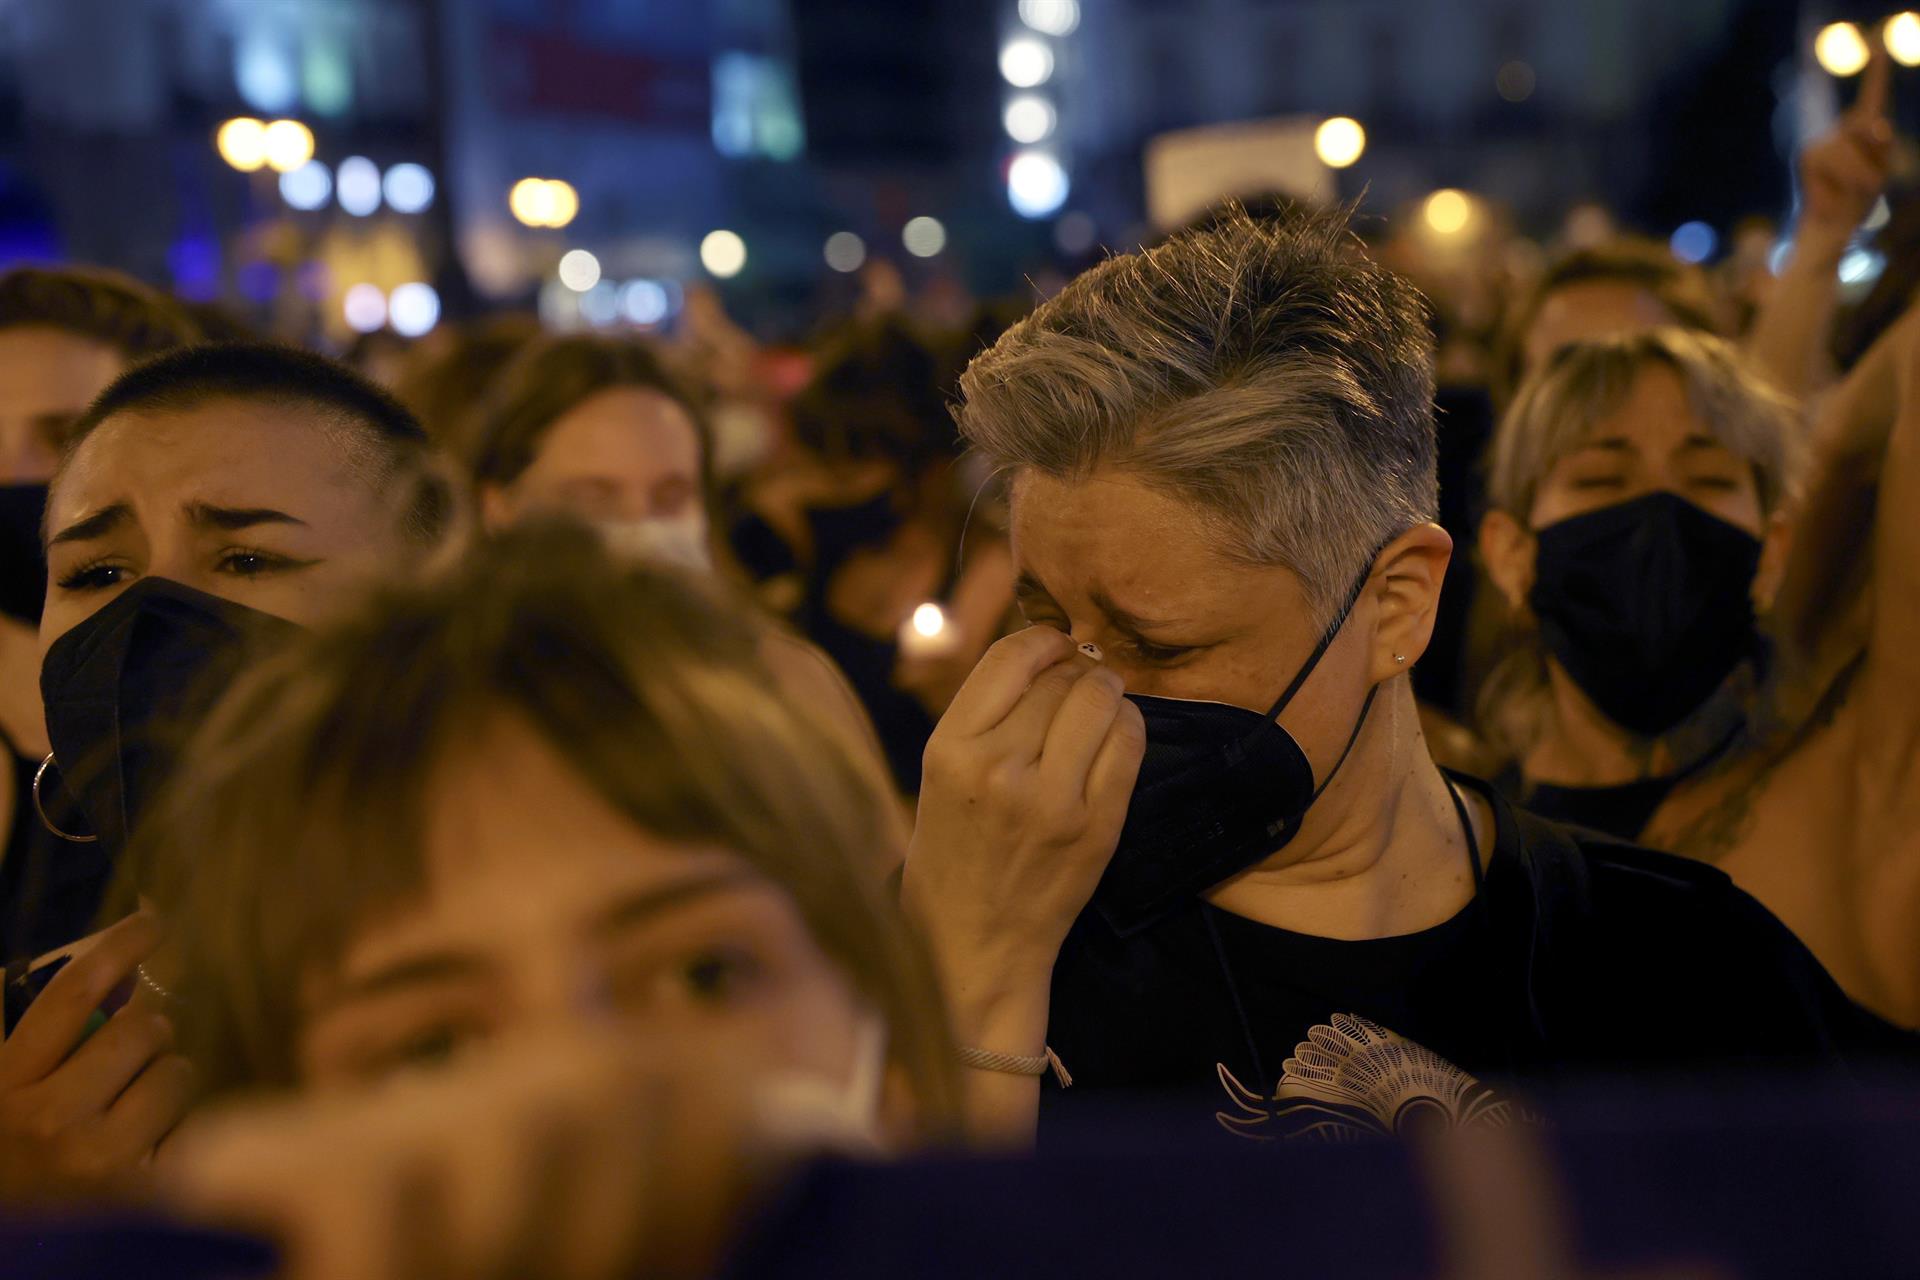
[
  {"x": 1029, "y": 118},
  {"x": 723, "y": 253},
  {"x": 1841, "y": 49},
  {"x": 1902, "y": 38},
  {"x": 579, "y": 270},
  {"x": 307, "y": 188},
  {"x": 413, "y": 309},
  {"x": 289, "y": 145},
  {"x": 1037, "y": 185},
  {"x": 1448, "y": 211},
  {"x": 357, "y": 186},
  {"x": 408, "y": 188},
  {"x": 1693, "y": 242},
  {"x": 644, "y": 302},
  {"x": 242, "y": 143},
  {"x": 923, "y": 236},
  {"x": 365, "y": 308},
  {"x": 543, "y": 202},
  {"x": 1051, "y": 17},
  {"x": 1515, "y": 81},
  {"x": 845, "y": 251},
  {"x": 1026, "y": 62},
  {"x": 1339, "y": 141}
]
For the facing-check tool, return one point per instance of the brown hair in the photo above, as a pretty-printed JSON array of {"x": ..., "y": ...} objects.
[
  {"x": 1682, "y": 292},
  {"x": 303, "y": 808},
  {"x": 554, "y": 375},
  {"x": 445, "y": 375},
  {"x": 114, "y": 310}
]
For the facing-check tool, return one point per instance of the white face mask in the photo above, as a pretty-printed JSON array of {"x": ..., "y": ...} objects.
[
  {"x": 679, "y": 542},
  {"x": 810, "y": 1112}
]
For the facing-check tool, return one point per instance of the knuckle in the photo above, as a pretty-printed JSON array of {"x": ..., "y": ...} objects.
[{"x": 1003, "y": 781}]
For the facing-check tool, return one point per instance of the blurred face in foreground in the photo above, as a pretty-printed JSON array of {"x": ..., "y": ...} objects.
[
  {"x": 48, "y": 377},
  {"x": 547, "y": 910}
]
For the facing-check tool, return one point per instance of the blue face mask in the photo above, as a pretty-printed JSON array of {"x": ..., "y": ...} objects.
[{"x": 1221, "y": 788}]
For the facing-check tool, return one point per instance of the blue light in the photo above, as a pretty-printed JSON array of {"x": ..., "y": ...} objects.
[
  {"x": 1693, "y": 242},
  {"x": 309, "y": 187},
  {"x": 264, "y": 75}
]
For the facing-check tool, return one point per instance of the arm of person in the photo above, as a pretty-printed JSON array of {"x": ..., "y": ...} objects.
[
  {"x": 1890, "y": 693},
  {"x": 976, "y": 611},
  {"x": 1026, "y": 786},
  {"x": 1841, "y": 175}
]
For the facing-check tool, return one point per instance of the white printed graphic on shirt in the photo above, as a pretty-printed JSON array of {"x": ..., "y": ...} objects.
[{"x": 1356, "y": 1079}]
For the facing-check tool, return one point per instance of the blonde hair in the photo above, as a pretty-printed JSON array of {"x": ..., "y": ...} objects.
[
  {"x": 301, "y": 808},
  {"x": 1555, "y": 413},
  {"x": 1264, "y": 371}
]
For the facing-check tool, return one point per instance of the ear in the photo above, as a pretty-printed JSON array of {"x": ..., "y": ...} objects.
[
  {"x": 497, "y": 507},
  {"x": 1507, "y": 549},
  {"x": 1407, "y": 579},
  {"x": 1776, "y": 544}
]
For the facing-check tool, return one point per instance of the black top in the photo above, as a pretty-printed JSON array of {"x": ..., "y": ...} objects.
[
  {"x": 1621, "y": 811},
  {"x": 1578, "y": 955}
]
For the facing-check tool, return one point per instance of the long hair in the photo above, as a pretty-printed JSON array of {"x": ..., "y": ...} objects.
[{"x": 301, "y": 810}]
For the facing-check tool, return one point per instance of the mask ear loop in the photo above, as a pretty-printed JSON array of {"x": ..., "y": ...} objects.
[{"x": 40, "y": 809}]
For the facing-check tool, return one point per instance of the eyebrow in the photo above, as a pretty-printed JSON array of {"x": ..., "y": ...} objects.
[
  {"x": 101, "y": 522},
  {"x": 646, "y": 904},
  {"x": 231, "y": 519},
  {"x": 1028, "y": 586}
]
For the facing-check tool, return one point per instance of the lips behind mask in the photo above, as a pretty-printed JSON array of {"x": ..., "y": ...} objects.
[
  {"x": 23, "y": 564},
  {"x": 126, "y": 684},
  {"x": 1648, "y": 606}
]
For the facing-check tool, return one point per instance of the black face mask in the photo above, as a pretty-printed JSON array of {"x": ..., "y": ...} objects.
[
  {"x": 23, "y": 562},
  {"x": 1648, "y": 605},
  {"x": 124, "y": 684},
  {"x": 1220, "y": 789}
]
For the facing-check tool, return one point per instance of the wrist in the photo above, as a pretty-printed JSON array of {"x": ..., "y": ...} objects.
[{"x": 1820, "y": 243}]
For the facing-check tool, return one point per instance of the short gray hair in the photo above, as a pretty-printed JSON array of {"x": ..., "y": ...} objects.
[
  {"x": 1264, "y": 371},
  {"x": 1556, "y": 410}
]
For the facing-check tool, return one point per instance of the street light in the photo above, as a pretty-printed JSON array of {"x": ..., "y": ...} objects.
[
  {"x": 1841, "y": 49},
  {"x": 723, "y": 253},
  {"x": 289, "y": 145},
  {"x": 1448, "y": 211},
  {"x": 543, "y": 202},
  {"x": 242, "y": 143},
  {"x": 1339, "y": 141},
  {"x": 1902, "y": 38}
]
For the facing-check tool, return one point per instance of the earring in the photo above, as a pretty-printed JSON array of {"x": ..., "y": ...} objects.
[
  {"x": 40, "y": 809},
  {"x": 1400, "y": 658}
]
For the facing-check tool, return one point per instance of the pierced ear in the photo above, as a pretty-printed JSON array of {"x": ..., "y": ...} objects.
[
  {"x": 1776, "y": 544},
  {"x": 1507, "y": 549},
  {"x": 1410, "y": 572}
]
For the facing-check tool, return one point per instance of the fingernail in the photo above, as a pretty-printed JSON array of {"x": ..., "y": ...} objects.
[{"x": 1092, "y": 650}]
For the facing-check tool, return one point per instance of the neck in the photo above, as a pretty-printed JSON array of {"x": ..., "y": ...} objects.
[
  {"x": 1579, "y": 747},
  {"x": 1381, "y": 851}
]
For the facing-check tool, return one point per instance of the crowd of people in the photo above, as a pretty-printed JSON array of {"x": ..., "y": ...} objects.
[{"x": 497, "y": 804}]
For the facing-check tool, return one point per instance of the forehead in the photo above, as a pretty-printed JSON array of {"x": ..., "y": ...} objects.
[
  {"x": 508, "y": 819},
  {"x": 632, "y": 428},
  {"x": 43, "y": 368},
  {"x": 1655, "y": 416},
  {"x": 1113, "y": 532},
  {"x": 230, "y": 451}
]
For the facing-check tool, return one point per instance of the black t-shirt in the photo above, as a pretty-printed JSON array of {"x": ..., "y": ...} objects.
[
  {"x": 1621, "y": 811},
  {"x": 1577, "y": 955}
]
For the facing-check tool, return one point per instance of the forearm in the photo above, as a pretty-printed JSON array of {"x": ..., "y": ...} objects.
[
  {"x": 1789, "y": 336},
  {"x": 997, "y": 1000}
]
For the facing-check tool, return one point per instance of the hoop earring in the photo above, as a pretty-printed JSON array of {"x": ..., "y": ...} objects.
[{"x": 40, "y": 809}]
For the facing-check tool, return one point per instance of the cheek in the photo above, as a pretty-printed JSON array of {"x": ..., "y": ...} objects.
[{"x": 807, "y": 1027}]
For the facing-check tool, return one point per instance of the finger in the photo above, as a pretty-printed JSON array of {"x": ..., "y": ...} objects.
[
  {"x": 1864, "y": 161},
  {"x": 1002, "y": 677},
  {"x": 48, "y": 1031},
  {"x": 1079, "y": 730},
  {"x": 1023, "y": 734},
  {"x": 1116, "y": 767},
  {"x": 1876, "y": 85},
  {"x": 148, "y": 1111},
  {"x": 101, "y": 1069}
]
